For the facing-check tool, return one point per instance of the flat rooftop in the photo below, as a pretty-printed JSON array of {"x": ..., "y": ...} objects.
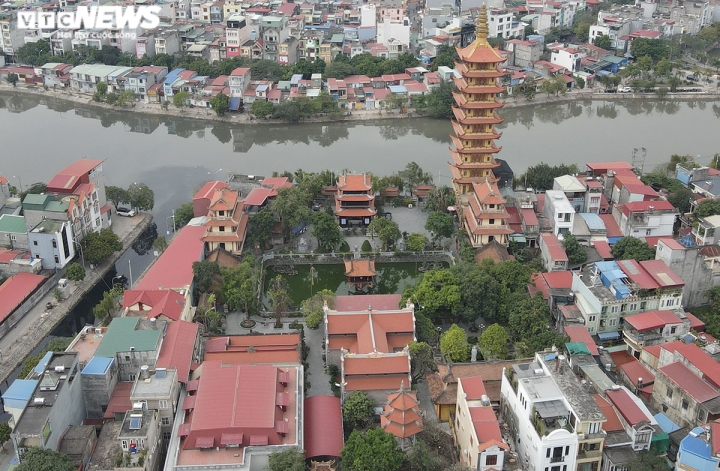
[
  {"x": 87, "y": 342},
  {"x": 159, "y": 383},
  {"x": 581, "y": 401},
  {"x": 107, "y": 447},
  {"x": 137, "y": 423}
]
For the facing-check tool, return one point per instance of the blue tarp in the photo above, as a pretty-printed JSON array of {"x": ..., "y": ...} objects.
[
  {"x": 609, "y": 335},
  {"x": 234, "y": 103}
]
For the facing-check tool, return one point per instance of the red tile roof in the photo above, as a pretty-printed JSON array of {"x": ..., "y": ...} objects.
[
  {"x": 376, "y": 365},
  {"x": 652, "y": 320},
  {"x": 601, "y": 168},
  {"x": 379, "y": 302},
  {"x": 240, "y": 399},
  {"x": 323, "y": 427},
  {"x": 554, "y": 247},
  {"x": 663, "y": 275},
  {"x": 635, "y": 370},
  {"x": 254, "y": 349},
  {"x": 715, "y": 434},
  {"x": 579, "y": 333},
  {"x": 258, "y": 196},
  {"x": 699, "y": 358},
  {"x": 603, "y": 249},
  {"x": 354, "y": 182},
  {"x": 637, "y": 274},
  {"x": 696, "y": 387},
  {"x": 67, "y": 179},
  {"x": 642, "y": 206},
  {"x": 613, "y": 423},
  {"x": 360, "y": 267},
  {"x": 529, "y": 217},
  {"x": 486, "y": 427},
  {"x": 173, "y": 269},
  {"x": 375, "y": 382},
  {"x": 178, "y": 348},
  {"x": 119, "y": 400},
  {"x": 695, "y": 323},
  {"x": 276, "y": 183},
  {"x": 164, "y": 302},
  {"x": 611, "y": 226},
  {"x": 6, "y": 256},
  {"x": 473, "y": 387},
  {"x": 15, "y": 290},
  {"x": 559, "y": 279},
  {"x": 626, "y": 406}
]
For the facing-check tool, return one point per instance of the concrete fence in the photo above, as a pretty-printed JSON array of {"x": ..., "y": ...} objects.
[{"x": 29, "y": 303}]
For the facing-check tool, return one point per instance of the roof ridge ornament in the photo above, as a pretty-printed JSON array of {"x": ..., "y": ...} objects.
[{"x": 481, "y": 28}]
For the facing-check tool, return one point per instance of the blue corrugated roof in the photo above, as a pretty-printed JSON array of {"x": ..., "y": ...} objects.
[
  {"x": 397, "y": 89},
  {"x": 234, "y": 104},
  {"x": 97, "y": 366},
  {"x": 20, "y": 389},
  {"x": 593, "y": 221},
  {"x": 667, "y": 425},
  {"x": 43, "y": 363},
  {"x": 695, "y": 452},
  {"x": 608, "y": 335}
]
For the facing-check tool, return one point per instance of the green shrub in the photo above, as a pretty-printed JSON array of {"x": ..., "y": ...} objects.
[
  {"x": 296, "y": 325},
  {"x": 313, "y": 319},
  {"x": 366, "y": 247},
  {"x": 344, "y": 247}
]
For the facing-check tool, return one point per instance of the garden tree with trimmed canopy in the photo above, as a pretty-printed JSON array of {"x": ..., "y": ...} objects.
[
  {"x": 437, "y": 295},
  {"x": 314, "y": 307},
  {"x": 454, "y": 344},
  {"x": 373, "y": 450},
  {"x": 388, "y": 231},
  {"x": 493, "y": 342},
  {"x": 141, "y": 197},
  {"x": 358, "y": 410},
  {"x": 632, "y": 248},
  {"x": 75, "y": 272},
  {"x": 99, "y": 246}
]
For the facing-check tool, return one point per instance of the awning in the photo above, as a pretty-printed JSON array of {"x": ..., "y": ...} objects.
[
  {"x": 189, "y": 402},
  {"x": 577, "y": 348},
  {"x": 258, "y": 440},
  {"x": 204, "y": 442},
  {"x": 234, "y": 103},
  {"x": 184, "y": 430},
  {"x": 192, "y": 385},
  {"x": 231, "y": 439},
  {"x": 609, "y": 335}
]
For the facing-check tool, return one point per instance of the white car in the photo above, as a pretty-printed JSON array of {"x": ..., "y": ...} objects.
[
  {"x": 125, "y": 212},
  {"x": 625, "y": 90}
]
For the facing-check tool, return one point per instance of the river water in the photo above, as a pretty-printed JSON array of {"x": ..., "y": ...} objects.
[{"x": 175, "y": 156}]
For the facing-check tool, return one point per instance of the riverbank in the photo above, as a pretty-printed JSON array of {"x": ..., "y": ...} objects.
[
  {"x": 23, "y": 339},
  {"x": 353, "y": 116}
]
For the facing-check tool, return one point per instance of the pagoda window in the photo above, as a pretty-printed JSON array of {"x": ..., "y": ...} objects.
[
  {"x": 491, "y": 222},
  {"x": 491, "y": 206}
]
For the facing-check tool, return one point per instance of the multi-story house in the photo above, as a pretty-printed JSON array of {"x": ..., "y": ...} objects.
[
  {"x": 212, "y": 12},
  {"x": 609, "y": 24},
  {"x": 389, "y": 29},
  {"x": 568, "y": 57},
  {"x": 55, "y": 404},
  {"x": 237, "y": 33},
  {"x": 142, "y": 78},
  {"x": 653, "y": 328},
  {"x": 502, "y": 24},
  {"x": 608, "y": 291},
  {"x": 52, "y": 242},
  {"x": 476, "y": 428},
  {"x": 574, "y": 191},
  {"x": 145, "y": 45},
  {"x": 96, "y": 38},
  {"x": 84, "y": 78},
  {"x": 485, "y": 218},
  {"x": 140, "y": 432},
  {"x": 239, "y": 81},
  {"x": 707, "y": 230},
  {"x": 167, "y": 42},
  {"x": 158, "y": 390},
  {"x": 553, "y": 418},
  {"x": 524, "y": 53},
  {"x": 274, "y": 32},
  {"x": 558, "y": 211},
  {"x": 226, "y": 222},
  {"x": 700, "y": 180},
  {"x": 686, "y": 385},
  {"x": 645, "y": 218},
  {"x": 61, "y": 42},
  {"x": 12, "y": 37},
  {"x": 288, "y": 51},
  {"x": 132, "y": 342},
  {"x": 552, "y": 252}
]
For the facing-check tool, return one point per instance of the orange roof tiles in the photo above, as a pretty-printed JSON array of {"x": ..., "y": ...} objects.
[
  {"x": 380, "y": 365},
  {"x": 354, "y": 182},
  {"x": 360, "y": 267},
  {"x": 323, "y": 427},
  {"x": 613, "y": 423},
  {"x": 473, "y": 387},
  {"x": 402, "y": 414},
  {"x": 178, "y": 348}
]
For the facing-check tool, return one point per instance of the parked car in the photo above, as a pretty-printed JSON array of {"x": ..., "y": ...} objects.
[
  {"x": 126, "y": 212},
  {"x": 692, "y": 78},
  {"x": 610, "y": 90},
  {"x": 316, "y": 207},
  {"x": 625, "y": 90}
]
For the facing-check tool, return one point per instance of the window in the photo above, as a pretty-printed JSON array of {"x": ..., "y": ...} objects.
[
  {"x": 672, "y": 330},
  {"x": 57, "y": 260},
  {"x": 669, "y": 393},
  {"x": 124, "y": 445},
  {"x": 54, "y": 243},
  {"x": 591, "y": 319},
  {"x": 492, "y": 221},
  {"x": 166, "y": 435},
  {"x": 614, "y": 309},
  {"x": 685, "y": 404},
  {"x": 642, "y": 437},
  {"x": 648, "y": 232},
  {"x": 34, "y": 242},
  {"x": 165, "y": 420},
  {"x": 490, "y": 460},
  {"x": 133, "y": 377},
  {"x": 633, "y": 307},
  {"x": 594, "y": 427},
  {"x": 612, "y": 322},
  {"x": 623, "y": 308},
  {"x": 163, "y": 404}
]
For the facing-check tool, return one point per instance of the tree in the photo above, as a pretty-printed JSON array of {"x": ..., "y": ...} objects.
[
  {"x": 708, "y": 207},
  {"x": 205, "y": 273},
  {"x": 417, "y": 241},
  {"x": 292, "y": 207},
  {"x": 326, "y": 230},
  {"x": 261, "y": 226},
  {"x": 313, "y": 307},
  {"x": 663, "y": 67},
  {"x": 75, "y": 272},
  {"x": 388, "y": 231},
  {"x": 180, "y": 99},
  {"x": 140, "y": 196},
  {"x": 648, "y": 461},
  {"x": 493, "y": 342},
  {"x": 603, "y": 41},
  {"x": 655, "y": 48},
  {"x": 529, "y": 320},
  {"x": 160, "y": 244},
  {"x": 34, "y": 53},
  {"x": 279, "y": 296},
  {"x": 582, "y": 31},
  {"x": 358, "y": 410},
  {"x": 440, "y": 224},
  {"x": 440, "y": 199},
  {"x": 220, "y": 103},
  {"x": 681, "y": 199},
  {"x": 440, "y": 101},
  {"x": 291, "y": 459},
  {"x": 98, "y": 246},
  {"x": 480, "y": 292},
  {"x": 5, "y": 432},
  {"x": 446, "y": 56},
  {"x": 116, "y": 195},
  {"x": 338, "y": 69},
  {"x": 109, "y": 304},
  {"x": 262, "y": 108},
  {"x": 631, "y": 248},
  {"x": 184, "y": 214},
  {"x": 580, "y": 81},
  {"x": 454, "y": 344},
  {"x": 128, "y": 96},
  {"x": 372, "y": 451},
  {"x": 437, "y": 294},
  {"x": 238, "y": 284},
  {"x": 12, "y": 79},
  {"x": 38, "y": 459},
  {"x": 422, "y": 360},
  {"x": 542, "y": 176},
  {"x": 575, "y": 252}
]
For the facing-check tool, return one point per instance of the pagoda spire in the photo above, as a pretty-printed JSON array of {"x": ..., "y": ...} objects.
[{"x": 481, "y": 28}]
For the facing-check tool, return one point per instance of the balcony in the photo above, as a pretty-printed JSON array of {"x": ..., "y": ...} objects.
[
  {"x": 557, "y": 459},
  {"x": 550, "y": 415},
  {"x": 588, "y": 454}
]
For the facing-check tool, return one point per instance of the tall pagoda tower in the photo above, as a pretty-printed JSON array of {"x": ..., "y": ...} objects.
[{"x": 473, "y": 156}]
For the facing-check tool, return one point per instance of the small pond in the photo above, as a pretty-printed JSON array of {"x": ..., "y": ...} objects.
[{"x": 392, "y": 278}]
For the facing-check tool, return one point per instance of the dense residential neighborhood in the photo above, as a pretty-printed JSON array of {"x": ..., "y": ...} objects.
[{"x": 560, "y": 320}]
